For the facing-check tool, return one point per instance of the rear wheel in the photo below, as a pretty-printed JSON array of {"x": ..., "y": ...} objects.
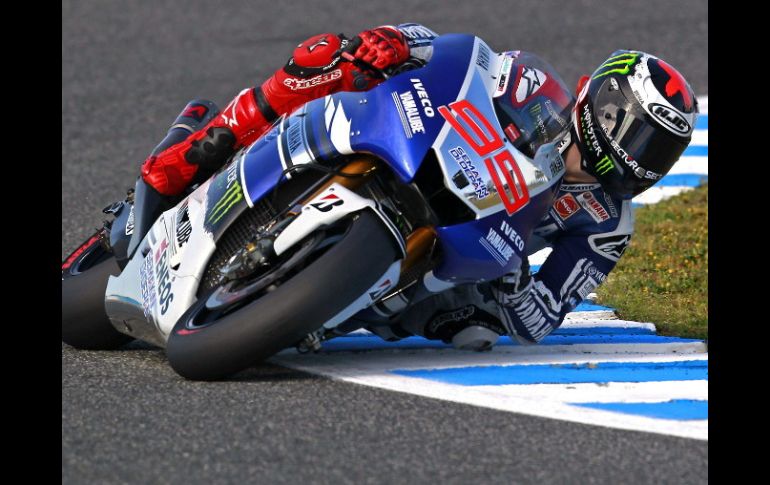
[
  {"x": 84, "y": 322},
  {"x": 210, "y": 344}
]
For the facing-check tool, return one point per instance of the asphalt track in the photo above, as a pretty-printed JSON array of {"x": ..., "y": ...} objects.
[{"x": 127, "y": 69}]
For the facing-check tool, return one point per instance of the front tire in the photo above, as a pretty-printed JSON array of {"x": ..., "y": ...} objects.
[
  {"x": 282, "y": 317},
  {"x": 84, "y": 322}
]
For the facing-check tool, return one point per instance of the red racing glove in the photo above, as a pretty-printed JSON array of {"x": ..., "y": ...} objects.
[{"x": 382, "y": 47}]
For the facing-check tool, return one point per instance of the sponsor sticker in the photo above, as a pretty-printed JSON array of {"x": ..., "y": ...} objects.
[
  {"x": 409, "y": 113},
  {"x": 588, "y": 287},
  {"x": 422, "y": 95},
  {"x": 224, "y": 194},
  {"x": 620, "y": 64},
  {"x": 593, "y": 207},
  {"x": 592, "y": 142},
  {"x": 512, "y": 235},
  {"x": 611, "y": 247},
  {"x": 229, "y": 115},
  {"x": 610, "y": 205},
  {"x": 163, "y": 278},
  {"x": 504, "y": 76},
  {"x": 471, "y": 173},
  {"x": 670, "y": 119},
  {"x": 556, "y": 164},
  {"x": 147, "y": 286},
  {"x": 497, "y": 246},
  {"x": 295, "y": 145},
  {"x": 595, "y": 273},
  {"x": 512, "y": 132},
  {"x": 529, "y": 82},
  {"x": 130, "y": 222},
  {"x": 296, "y": 84},
  {"x": 482, "y": 59},
  {"x": 458, "y": 315},
  {"x": 327, "y": 203},
  {"x": 183, "y": 226},
  {"x": 566, "y": 206},
  {"x": 628, "y": 160},
  {"x": 578, "y": 187},
  {"x": 554, "y": 115}
]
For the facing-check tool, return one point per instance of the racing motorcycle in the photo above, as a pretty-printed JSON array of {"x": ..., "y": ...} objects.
[{"x": 343, "y": 207}]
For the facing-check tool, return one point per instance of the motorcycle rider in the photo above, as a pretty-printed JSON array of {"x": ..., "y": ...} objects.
[{"x": 632, "y": 119}]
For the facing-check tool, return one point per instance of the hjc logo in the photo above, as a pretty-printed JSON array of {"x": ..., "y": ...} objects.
[
  {"x": 327, "y": 203},
  {"x": 671, "y": 119}
]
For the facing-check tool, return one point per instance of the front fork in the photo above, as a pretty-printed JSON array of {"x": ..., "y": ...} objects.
[{"x": 335, "y": 200}]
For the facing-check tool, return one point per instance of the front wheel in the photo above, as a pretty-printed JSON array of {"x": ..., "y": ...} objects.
[
  {"x": 202, "y": 348},
  {"x": 84, "y": 275}
]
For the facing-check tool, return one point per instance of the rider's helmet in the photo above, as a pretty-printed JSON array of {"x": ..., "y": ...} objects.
[{"x": 633, "y": 119}]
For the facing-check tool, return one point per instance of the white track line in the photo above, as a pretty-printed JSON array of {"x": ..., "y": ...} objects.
[{"x": 373, "y": 370}]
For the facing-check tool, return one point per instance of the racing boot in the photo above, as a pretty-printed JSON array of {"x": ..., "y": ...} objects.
[
  {"x": 149, "y": 203},
  {"x": 174, "y": 165}
]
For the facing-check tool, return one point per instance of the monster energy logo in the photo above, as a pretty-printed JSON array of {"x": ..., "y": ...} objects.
[
  {"x": 232, "y": 196},
  {"x": 587, "y": 125},
  {"x": 604, "y": 165},
  {"x": 620, "y": 64}
]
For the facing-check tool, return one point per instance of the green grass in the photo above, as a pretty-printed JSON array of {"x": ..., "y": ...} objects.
[{"x": 663, "y": 275}]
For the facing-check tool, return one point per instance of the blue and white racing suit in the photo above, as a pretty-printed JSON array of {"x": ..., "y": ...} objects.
[{"x": 588, "y": 231}]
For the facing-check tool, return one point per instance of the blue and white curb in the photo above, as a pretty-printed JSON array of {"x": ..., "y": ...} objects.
[{"x": 595, "y": 369}]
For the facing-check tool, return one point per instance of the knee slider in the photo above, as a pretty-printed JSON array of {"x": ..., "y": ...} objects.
[
  {"x": 476, "y": 338},
  {"x": 213, "y": 149}
]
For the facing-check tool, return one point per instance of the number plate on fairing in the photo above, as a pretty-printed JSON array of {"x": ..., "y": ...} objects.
[{"x": 480, "y": 165}]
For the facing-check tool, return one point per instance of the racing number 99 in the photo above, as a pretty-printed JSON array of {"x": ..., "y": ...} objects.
[{"x": 488, "y": 142}]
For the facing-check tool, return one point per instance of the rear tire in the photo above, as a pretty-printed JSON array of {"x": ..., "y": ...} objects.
[
  {"x": 284, "y": 316},
  {"x": 84, "y": 322}
]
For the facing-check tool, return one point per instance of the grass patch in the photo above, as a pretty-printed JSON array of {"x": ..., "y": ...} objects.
[{"x": 663, "y": 275}]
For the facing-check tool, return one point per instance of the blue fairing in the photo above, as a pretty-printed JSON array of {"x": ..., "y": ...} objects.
[
  {"x": 470, "y": 249},
  {"x": 380, "y": 122},
  {"x": 399, "y": 122}
]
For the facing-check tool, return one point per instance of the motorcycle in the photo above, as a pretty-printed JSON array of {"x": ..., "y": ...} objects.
[{"x": 357, "y": 202}]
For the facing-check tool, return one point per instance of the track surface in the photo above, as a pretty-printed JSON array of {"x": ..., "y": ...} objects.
[{"x": 127, "y": 69}]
